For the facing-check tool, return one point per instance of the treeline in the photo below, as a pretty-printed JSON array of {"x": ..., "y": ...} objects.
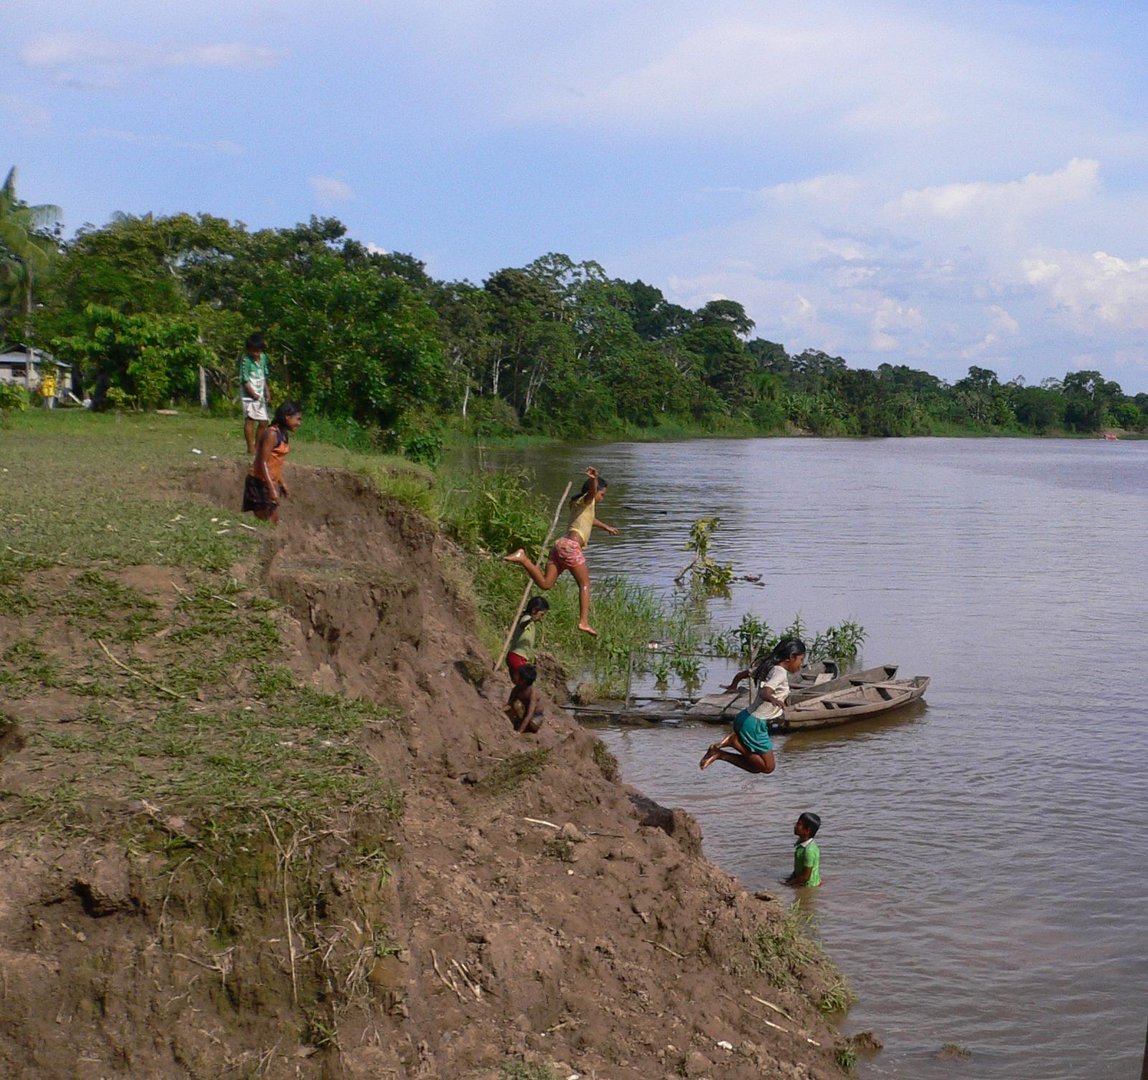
[{"x": 141, "y": 305}]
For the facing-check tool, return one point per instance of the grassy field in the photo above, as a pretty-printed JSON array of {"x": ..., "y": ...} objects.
[
  {"x": 166, "y": 686},
  {"x": 172, "y": 680}
]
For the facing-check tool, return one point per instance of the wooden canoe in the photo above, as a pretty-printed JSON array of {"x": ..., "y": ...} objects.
[
  {"x": 854, "y": 703},
  {"x": 721, "y": 708}
]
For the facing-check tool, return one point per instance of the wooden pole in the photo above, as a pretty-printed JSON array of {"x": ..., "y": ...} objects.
[
  {"x": 1144, "y": 1067},
  {"x": 526, "y": 591}
]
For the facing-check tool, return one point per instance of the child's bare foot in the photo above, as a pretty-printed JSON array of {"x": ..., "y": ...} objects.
[
  {"x": 515, "y": 556},
  {"x": 709, "y": 757},
  {"x": 587, "y": 629}
]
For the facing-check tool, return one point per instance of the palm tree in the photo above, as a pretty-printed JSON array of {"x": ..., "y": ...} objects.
[{"x": 27, "y": 248}]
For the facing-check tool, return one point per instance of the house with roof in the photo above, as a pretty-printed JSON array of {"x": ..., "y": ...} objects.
[{"x": 21, "y": 365}]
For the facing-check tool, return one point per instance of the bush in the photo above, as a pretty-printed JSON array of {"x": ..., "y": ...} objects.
[
  {"x": 424, "y": 446},
  {"x": 496, "y": 512},
  {"x": 492, "y": 415},
  {"x": 13, "y": 397}
]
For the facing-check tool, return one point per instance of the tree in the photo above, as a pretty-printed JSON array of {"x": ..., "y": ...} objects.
[
  {"x": 1039, "y": 409},
  {"x": 727, "y": 313},
  {"x": 652, "y": 315},
  {"x": 1088, "y": 399},
  {"x": 28, "y": 246},
  {"x": 982, "y": 397},
  {"x": 145, "y": 359}
]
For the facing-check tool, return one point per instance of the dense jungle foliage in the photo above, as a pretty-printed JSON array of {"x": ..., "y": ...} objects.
[{"x": 369, "y": 340}]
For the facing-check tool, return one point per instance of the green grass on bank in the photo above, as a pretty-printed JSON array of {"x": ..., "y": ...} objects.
[{"x": 176, "y": 693}]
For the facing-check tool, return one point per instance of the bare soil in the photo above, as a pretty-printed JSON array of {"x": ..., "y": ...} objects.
[{"x": 522, "y": 911}]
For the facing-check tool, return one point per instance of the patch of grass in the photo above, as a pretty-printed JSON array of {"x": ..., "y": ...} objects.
[
  {"x": 513, "y": 772},
  {"x": 836, "y": 998},
  {"x": 520, "y": 1070},
  {"x": 25, "y": 667},
  {"x": 780, "y": 956},
  {"x": 606, "y": 762},
  {"x": 14, "y": 600},
  {"x": 846, "y": 1056},
  {"x": 412, "y": 485},
  {"x": 559, "y": 848}
]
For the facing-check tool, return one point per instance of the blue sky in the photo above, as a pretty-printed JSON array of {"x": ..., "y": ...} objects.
[{"x": 939, "y": 185}]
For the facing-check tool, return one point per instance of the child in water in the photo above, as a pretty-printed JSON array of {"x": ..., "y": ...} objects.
[
  {"x": 806, "y": 854},
  {"x": 566, "y": 554},
  {"x": 749, "y": 745},
  {"x": 525, "y": 634},
  {"x": 524, "y": 707},
  {"x": 264, "y": 486}
]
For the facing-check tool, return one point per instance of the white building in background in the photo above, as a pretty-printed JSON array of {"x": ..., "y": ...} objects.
[{"x": 18, "y": 370}]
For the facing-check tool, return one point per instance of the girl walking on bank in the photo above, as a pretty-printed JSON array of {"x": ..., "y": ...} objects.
[
  {"x": 749, "y": 745},
  {"x": 566, "y": 554},
  {"x": 264, "y": 485}
]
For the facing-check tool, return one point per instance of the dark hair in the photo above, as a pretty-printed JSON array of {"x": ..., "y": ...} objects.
[
  {"x": 255, "y": 343},
  {"x": 785, "y": 649},
  {"x": 537, "y": 603},
  {"x": 288, "y": 408},
  {"x": 603, "y": 483},
  {"x": 527, "y": 674},
  {"x": 811, "y": 821}
]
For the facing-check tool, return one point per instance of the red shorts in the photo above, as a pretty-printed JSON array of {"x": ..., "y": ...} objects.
[
  {"x": 515, "y": 661},
  {"x": 567, "y": 553}
]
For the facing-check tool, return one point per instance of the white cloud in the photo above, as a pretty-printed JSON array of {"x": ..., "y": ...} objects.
[
  {"x": 330, "y": 191},
  {"x": 891, "y": 315},
  {"x": 1003, "y": 326},
  {"x": 91, "y": 61},
  {"x": 1093, "y": 290},
  {"x": 221, "y": 147},
  {"x": 1078, "y": 180}
]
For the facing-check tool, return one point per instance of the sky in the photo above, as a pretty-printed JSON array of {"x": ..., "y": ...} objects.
[{"x": 933, "y": 184}]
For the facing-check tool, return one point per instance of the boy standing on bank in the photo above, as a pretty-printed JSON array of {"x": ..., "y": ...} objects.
[
  {"x": 806, "y": 855},
  {"x": 254, "y": 390}
]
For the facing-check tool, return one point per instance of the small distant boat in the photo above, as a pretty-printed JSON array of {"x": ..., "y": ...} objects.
[
  {"x": 806, "y": 684},
  {"x": 854, "y": 703}
]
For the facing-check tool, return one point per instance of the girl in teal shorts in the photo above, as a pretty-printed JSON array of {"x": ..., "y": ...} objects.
[{"x": 749, "y": 746}]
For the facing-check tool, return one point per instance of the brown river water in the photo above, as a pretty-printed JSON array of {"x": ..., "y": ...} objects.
[{"x": 985, "y": 855}]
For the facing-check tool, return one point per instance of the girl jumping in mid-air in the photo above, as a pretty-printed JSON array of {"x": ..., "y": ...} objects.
[
  {"x": 566, "y": 554},
  {"x": 264, "y": 485},
  {"x": 749, "y": 745}
]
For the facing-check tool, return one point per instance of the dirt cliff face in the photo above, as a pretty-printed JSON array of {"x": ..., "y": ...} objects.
[{"x": 513, "y": 910}]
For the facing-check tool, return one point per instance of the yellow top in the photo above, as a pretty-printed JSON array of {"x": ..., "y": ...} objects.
[{"x": 582, "y": 518}]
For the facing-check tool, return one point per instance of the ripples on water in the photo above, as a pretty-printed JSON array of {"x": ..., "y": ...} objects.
[{"x": 985, "y": 855}]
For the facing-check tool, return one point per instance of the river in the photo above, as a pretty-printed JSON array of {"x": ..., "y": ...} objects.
[{"x": 984, "y": 856}]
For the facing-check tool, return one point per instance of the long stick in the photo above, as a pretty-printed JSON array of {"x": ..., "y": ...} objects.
[{"x": 526, "y": 591}]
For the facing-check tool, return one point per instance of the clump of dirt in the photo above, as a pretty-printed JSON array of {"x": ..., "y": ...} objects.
[{"x": 511, "y": 908}]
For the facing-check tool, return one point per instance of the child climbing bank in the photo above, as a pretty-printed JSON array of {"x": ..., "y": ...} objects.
[
  {"x": 749, "y": 745},
  {"x": 566, "y": 554},
  {"x": 525, "y": 706},
  {"x": 525, "y": 637}
]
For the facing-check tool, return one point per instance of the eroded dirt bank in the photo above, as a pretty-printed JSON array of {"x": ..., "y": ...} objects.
[{"x": 515, "y": 902}]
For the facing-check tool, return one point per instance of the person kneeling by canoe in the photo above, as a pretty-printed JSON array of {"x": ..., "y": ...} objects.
[{"x": 749, "y": 745}]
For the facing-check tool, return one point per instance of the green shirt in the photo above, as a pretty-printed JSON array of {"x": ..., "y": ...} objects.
[
  {"x": 524, "y": 637},
  {"x": 253, "y": 373},
  {"x": 807, "y": 855}
]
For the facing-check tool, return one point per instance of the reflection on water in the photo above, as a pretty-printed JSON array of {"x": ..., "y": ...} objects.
[{"x": 984, "y": 855}]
